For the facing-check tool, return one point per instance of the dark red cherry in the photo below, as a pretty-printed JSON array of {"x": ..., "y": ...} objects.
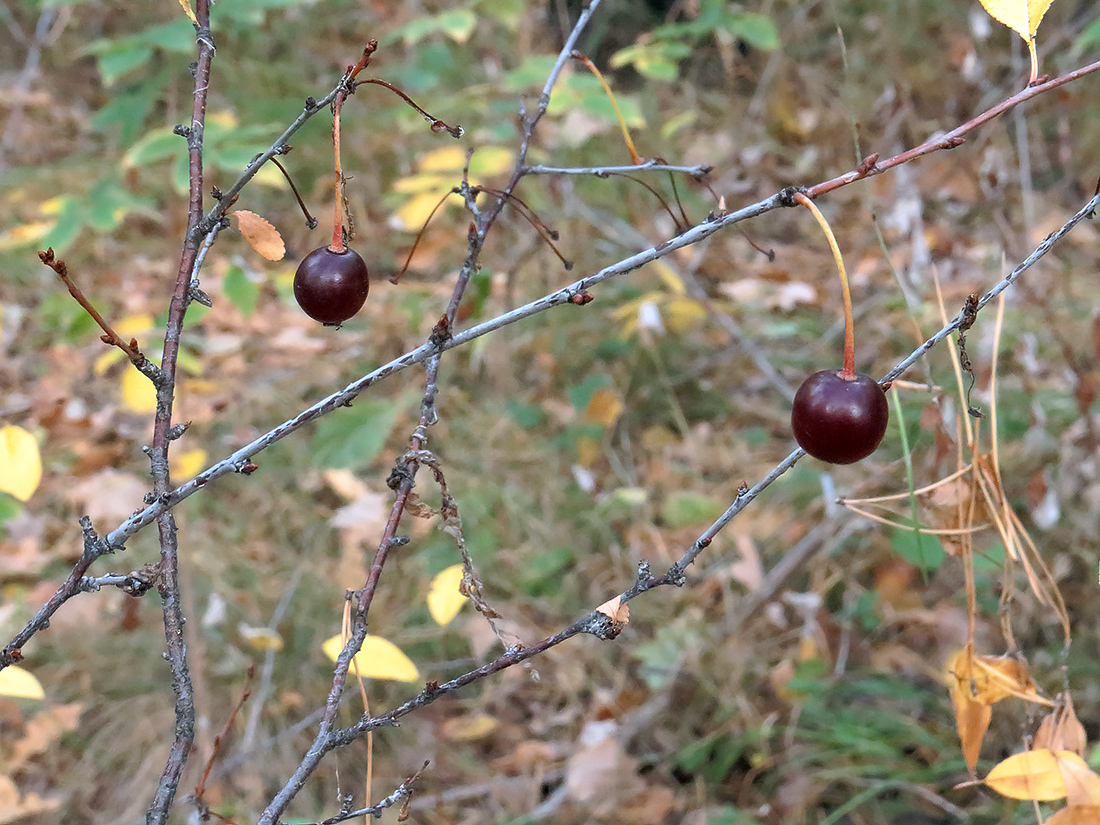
[
  {"x": 839, "y": 420},
  {"x": 330, "y": 287}
]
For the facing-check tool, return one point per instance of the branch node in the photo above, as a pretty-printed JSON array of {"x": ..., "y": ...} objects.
[
  {"x": 177, "y": 430},
  {"x": 786, "y": 196}
]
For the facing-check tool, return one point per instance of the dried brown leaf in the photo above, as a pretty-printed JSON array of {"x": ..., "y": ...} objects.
[{"x": 261, "y": 235}]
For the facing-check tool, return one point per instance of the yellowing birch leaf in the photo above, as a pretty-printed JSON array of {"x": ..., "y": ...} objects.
[
  {"x": 1032, "y": 775},
  {"x": 20, "y": 684},
  {"x": 376, "y": 659},
  {"x": 20, "y": 462},
  {"x": 186, "y": 5},
  {"x": 261, "y": 638},
  {"x": 1023, "y": 17},
  {"x": 186, "y": 465},
  {"x": 445, "y": 598},
  {"x": 261, "y": 235},
  {"x": 138, "y": 393}
]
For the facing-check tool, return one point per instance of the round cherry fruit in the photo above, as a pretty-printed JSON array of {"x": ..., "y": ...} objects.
[
  {"x": 330, "y": 287},
  {"x": 837, "y": 419}
]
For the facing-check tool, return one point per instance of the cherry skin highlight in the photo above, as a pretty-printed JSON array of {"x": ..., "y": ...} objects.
[
  {"x": 839, "y": 420},
  {"x": 331, "y": 287}
]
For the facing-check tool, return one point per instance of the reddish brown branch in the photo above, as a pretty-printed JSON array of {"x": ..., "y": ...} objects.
[
  {"x": 871, "y": 166},
  {"x": 109, "y": 335},
  {"x": 200, "y": 788}
]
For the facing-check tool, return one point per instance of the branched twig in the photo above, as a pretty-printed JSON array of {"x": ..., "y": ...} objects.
[
  {"x": 403, "y": 792},
  {"x": 109, "y": 335},
  {"x": 168, "y": 585}
]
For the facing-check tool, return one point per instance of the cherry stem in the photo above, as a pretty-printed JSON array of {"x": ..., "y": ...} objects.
[
  {"x": 848, "y": 373},
  {"x": 437, "y": 124},
  {"x": 337, "y": 244},
  {"x": 346, "y": 88}
]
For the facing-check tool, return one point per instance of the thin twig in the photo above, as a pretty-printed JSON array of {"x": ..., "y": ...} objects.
[{"x": 606, "y": 171}]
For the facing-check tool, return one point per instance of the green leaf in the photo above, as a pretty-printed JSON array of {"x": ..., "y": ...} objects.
[
  {"x": 755, "y": 29},
  {"x": 70, "y": 221},
  {"x": 919, "y": 549},
  {"x": 155, "y": 145},
  {"x": 240, "y": 290},
  {"x": 457, "y": 24},
  {"x": 108, "y": 203},
  {"x": 116, "y": 62},
  {"x": 655, "y": 60},
  {"x": 580, "y": 394},
  {"x": 1088, "y": 38},
  {"x": 127, "y": 111},
  {"x": 526, "y": 416},
  {"x": 354, "y": 437},
  {"x": 9, "y": 508},
  {"x": 684, "y": 508}
]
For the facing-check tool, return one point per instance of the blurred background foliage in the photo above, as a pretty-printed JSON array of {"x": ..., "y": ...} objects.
[{"x": 578, "y": 444}]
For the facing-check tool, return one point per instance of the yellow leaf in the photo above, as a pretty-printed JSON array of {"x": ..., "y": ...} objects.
[
  {"x": 261, "y": 638},
  {"x": 413, "y": 214},
  {"x": 20, "y": 684},
  {"x": 668, "y": 275},
  {"x": 445, "y": 598},
  {"x": 469, "y": 728},
  {"x": 1032, "y": 775},
  {"x": 683, "y": 313},
  {"x": 20, "y": 463},
  {"x": 426, "y": 182},
  {"x": 187, "y": 10},
  {"x": 134, "y": 325},
  {"x": 489, "y": 161},
  {"x": 376, "y": 659},
  {"x": 53, "y": 206},
  {"x": 1082, "y": 783},
  {"x": 138, "y": 393},
  {"x": 107, "y": 359},
  {"x": 187, "y": 464},
  {"x": 261, "y": 235},
  {"x": 603, "y": 407},
  {"x": 444, "y": 159},
  {"x": 24, "y": 235},
  {"x": 1023, "y": 17}
]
